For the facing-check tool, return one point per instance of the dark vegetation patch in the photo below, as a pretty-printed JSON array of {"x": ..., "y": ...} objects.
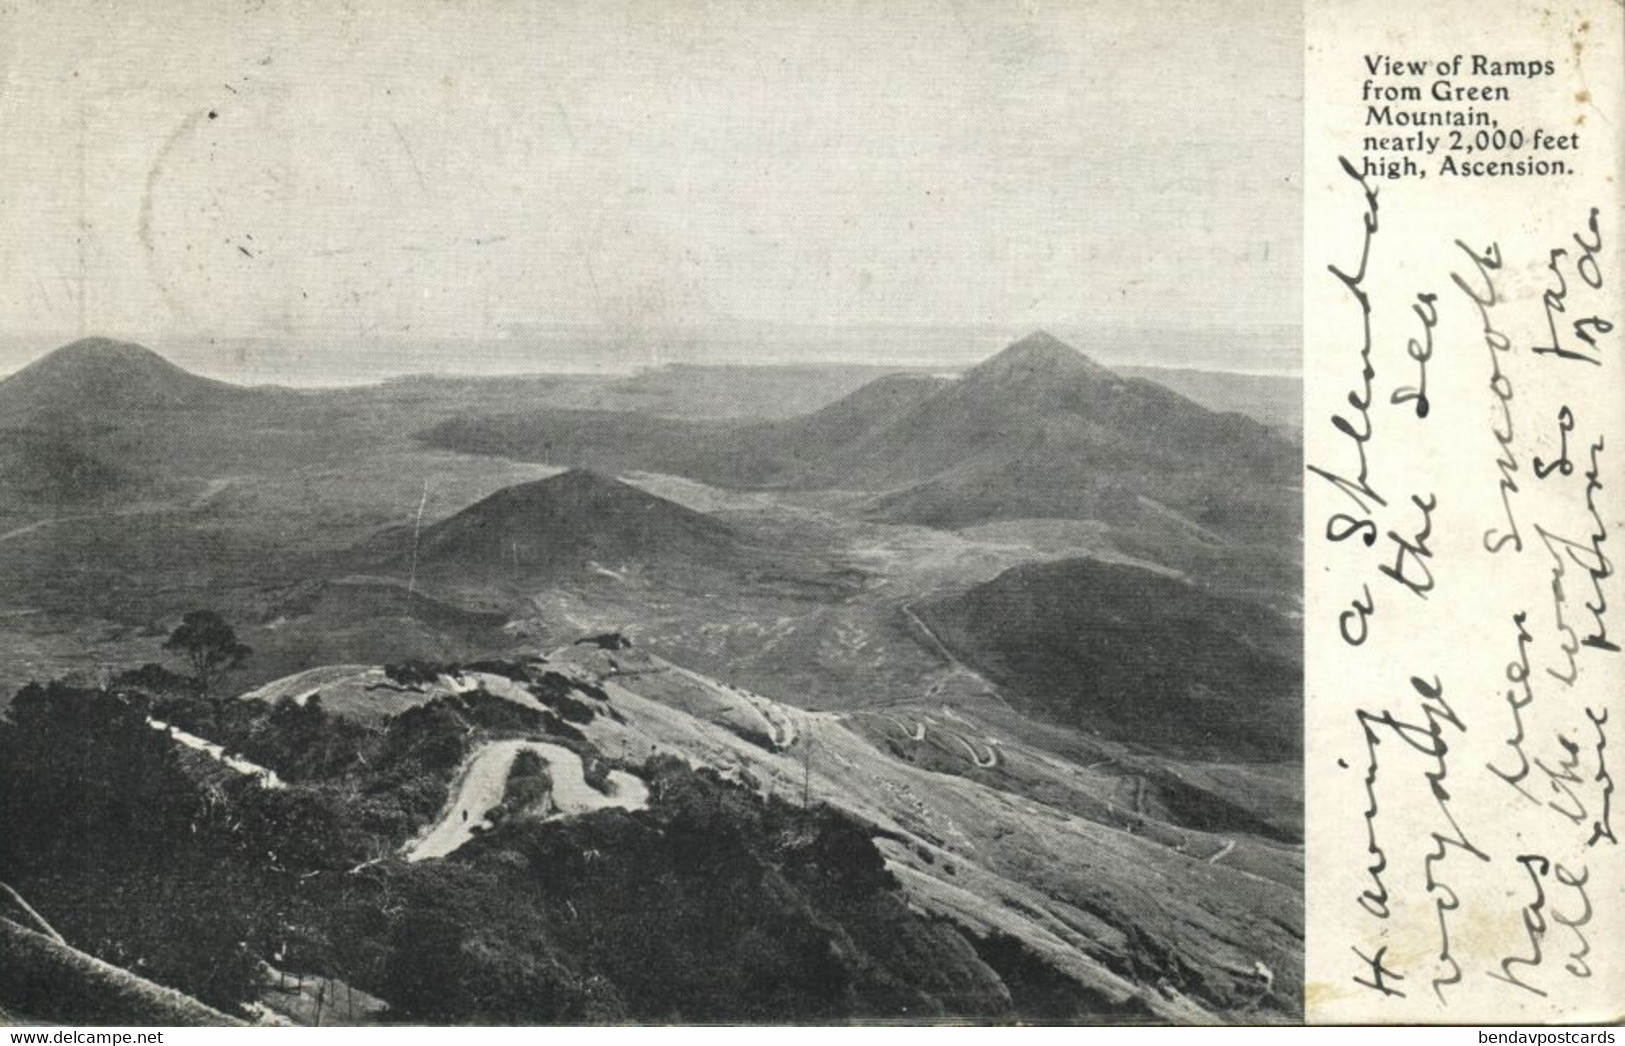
[
  {"x": 155, "y": 678},
  {"x": 528, "y": 782},
  {"x": 507, "y": 669},
  {"x": 711, "y": 905},
  {"x": 606, "y": 641},
  {"x": 553, "y": 690},
  {"x": 714, "y": 904},
  {"x": 414, "y": 674},
  {"x": 1039, "y": 992},
  {"x": 1209, "y": 811}
]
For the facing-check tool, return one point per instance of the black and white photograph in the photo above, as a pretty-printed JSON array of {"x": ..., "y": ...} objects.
[{"x": 651, "y": 512}]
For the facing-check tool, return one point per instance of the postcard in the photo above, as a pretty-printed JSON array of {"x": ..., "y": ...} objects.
[{"x": 806, "y": 512}]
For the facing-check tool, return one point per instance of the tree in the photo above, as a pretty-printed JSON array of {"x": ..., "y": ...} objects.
[{"x": 209, "y": 644}]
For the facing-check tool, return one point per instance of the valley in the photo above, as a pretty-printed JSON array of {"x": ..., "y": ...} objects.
[{"x": 992, "y": 678}]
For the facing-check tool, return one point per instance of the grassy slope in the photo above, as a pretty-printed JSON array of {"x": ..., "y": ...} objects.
[{"x": 1136, "y": 656}]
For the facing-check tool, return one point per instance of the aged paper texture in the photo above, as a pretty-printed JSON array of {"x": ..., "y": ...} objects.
[{"x": 1464, "y": 433}]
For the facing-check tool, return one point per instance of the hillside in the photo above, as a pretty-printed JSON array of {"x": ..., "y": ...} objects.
[
  {"x": 1138, "y": 656},
  {"x": 855, "y": 419},
  {"x": 1039, "y": 430},
  {"x": 70, "y": 421},
  {"x": 676, "y": 849},
  {"x": 1275, "y": 400},
  {"x": 576, "y": 523},
  {"x": 96, "y": 381},
  {"x": 53, "y": 469},
  {"x": 979, "y": 789},
  {"x": 41, "y": 977}
]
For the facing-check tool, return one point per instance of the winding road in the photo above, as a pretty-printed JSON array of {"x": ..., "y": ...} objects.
[
  {"x": 992, "y": 759},
  {"x": 267, "y": 777},
  {"x": 485, "y": 779},
  {"x": 112, "y": 513},
  {"x": 937, "y": 646}
]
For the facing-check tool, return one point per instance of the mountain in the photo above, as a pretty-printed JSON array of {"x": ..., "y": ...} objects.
[
  {"x": 905, "y": 433},
  {"x": 96, "y": 380},
  {"x": 807, "y": 452},
  {"x": 1142, "y": 657},
  {"x": 1039, "y": 430},
  {"x": 862, "y": 412},
  {"x": 575, "y": 523},
  {"x": 1039, "y": 355},
  {"x": 70, "y": 421}
]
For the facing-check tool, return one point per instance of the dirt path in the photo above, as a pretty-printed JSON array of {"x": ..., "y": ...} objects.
[
  {"x": 784, "y": 728},
  {"x": 991, "y": 760},
  {"x": 117, "y": 513},
  {"x": 780, "y": 728},
  {"x": 572, "y": 795},
  {"x": 937, "y": 646},
  {"x": 41, "y": 524},
  {"x": 933, "y": 641},
  {"x": 267, "y": 777},
  {"x": 485, "y": 779},
  {"x": 916, "y": 733}
]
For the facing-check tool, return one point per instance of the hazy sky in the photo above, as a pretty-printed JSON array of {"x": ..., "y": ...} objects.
[{"x": 476, "y": 168}]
